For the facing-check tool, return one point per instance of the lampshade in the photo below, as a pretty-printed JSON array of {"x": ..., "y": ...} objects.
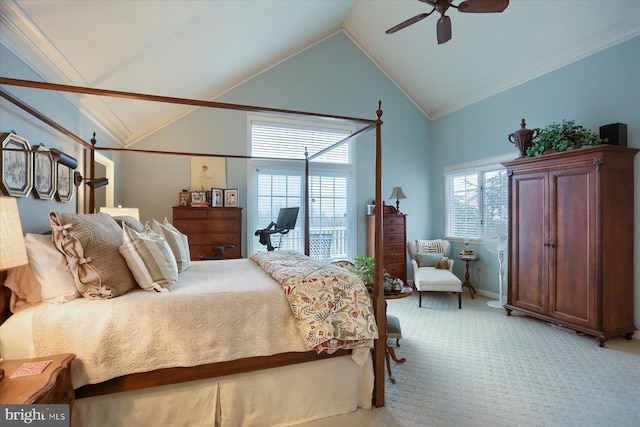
[
  {"x": 12, "y": 250},
  {"x": 397, "y": 193},
  {"x": 120, "y": 211}
]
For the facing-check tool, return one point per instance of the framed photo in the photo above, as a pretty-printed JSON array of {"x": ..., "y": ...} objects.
[
  {"x": 199, "y": 199},
  {"x": 16, "y": 166},
  {"x": 208, "y": 172},
  {"x": 231, "y": 198},
  {"x": 44, "y": 173},
  {"x": 217, "y": 196},
  {"x": 65, "y": 183},
  {"x": 184, "y": 199}
]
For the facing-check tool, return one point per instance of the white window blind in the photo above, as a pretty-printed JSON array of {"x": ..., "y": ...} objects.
[
  {"x": 476, "y": 200},
  {"x": 276, "y": 185}
]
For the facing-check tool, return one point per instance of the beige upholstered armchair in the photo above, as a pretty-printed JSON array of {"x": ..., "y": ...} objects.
[{"x": 430, "y": 271}]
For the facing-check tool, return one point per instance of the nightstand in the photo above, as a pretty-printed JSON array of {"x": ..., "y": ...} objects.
[{"x": 53, "y": 385}]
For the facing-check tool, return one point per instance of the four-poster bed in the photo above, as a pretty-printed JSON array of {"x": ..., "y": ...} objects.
[{"x": 175, "y": 375}]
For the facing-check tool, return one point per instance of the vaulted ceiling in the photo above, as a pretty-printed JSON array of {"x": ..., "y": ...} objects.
[{"x": 200, "y": 49}]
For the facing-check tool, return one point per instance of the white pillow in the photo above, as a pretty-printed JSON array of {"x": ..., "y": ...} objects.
[
  {"x": 49, "y": 266},
  {"x": 178, "y": 242},
  {"x": 149, "y": 258}
]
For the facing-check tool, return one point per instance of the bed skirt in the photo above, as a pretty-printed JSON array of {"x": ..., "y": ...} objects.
[{"x": 280, "y": 396}]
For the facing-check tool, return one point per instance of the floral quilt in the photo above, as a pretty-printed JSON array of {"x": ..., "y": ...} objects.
[{"x": 331, "y": 305}]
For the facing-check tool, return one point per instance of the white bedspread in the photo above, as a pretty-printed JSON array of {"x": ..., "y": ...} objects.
[{"x": 217, "y": 311}]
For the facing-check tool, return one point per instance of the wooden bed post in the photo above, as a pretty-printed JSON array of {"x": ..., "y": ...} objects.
[
  {"x": 307, "y": 249},
  {"x": 378, "y": 289}
]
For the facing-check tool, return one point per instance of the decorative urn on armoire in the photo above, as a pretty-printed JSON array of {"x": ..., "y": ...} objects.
[{"x": 523, "y": 137}]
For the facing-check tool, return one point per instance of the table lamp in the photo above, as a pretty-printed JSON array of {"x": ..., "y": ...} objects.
[
  {"x": 397, "y": 194},
  {"x": 12, "y": 250}
]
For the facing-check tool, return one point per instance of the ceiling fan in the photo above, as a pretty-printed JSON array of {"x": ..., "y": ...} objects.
[{"x": 444, "y": 23}]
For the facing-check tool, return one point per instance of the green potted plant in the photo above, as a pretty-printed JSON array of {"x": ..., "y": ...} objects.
[
  {"x": 364, "y": 268},
  {"x": 562, "y": 137}
]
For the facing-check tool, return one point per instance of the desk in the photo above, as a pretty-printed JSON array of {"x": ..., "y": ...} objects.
[
  {"x": 390, "y": 352},
  {"x": 467, "y": 283}
]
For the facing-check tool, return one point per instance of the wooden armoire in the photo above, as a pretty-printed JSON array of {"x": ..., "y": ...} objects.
[{"x": 571, "y": 221}]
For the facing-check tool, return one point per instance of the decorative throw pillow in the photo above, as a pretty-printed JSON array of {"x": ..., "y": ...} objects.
[
  {"x": 178, "y": 242},
  {"x": 443, "y": 263},
  {"x": 130, "y": 221},
  {"x": 428, "y": 259},
  {"x": 149, "y": 258},
  {"x": 50, "y": 269},
  {"x": 91, "y": 243}
]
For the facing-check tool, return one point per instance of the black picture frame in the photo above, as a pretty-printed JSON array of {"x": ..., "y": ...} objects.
[{"x": 16, "y": 167}]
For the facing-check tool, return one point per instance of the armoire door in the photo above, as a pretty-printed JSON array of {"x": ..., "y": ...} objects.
[
  {"x": 573, "y": 222},
  {"x": 529, "y": 263}
]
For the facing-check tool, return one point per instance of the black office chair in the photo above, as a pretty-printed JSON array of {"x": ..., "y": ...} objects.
[{"x": 286, "y": 222}]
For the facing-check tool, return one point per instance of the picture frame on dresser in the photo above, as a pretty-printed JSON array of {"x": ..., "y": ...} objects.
[
  {"x": 217, "y": 197},
  {"x": 16, "y": 167},
  {"x": 231, "y": 198}
]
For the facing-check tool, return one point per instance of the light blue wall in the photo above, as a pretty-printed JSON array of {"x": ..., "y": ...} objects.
[
  {"x": 600, "y": 89},
  {"x": 333, "y": 77},
  {"x": 34, "y": 212}
]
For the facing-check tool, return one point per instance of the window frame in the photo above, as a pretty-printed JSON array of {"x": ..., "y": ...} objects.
[
  {"x": 296, "y": 168},
  {"x": 478, "y": 168}
]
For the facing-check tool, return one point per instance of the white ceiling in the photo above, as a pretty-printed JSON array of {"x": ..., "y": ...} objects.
[{"x": 200, "y": 49}]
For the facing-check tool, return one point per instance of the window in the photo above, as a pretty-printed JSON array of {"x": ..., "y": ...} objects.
[
  {"x": 276, "y": 184},
  {"x": 476, "y": 199}
]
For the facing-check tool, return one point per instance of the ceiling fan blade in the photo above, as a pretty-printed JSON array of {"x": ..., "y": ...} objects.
[
  {"x": 408, "y": 22},
  {"x": 431, "y": 2},
  {"x": 444, "y": 29},
  {"x": 483, "y": 6}
]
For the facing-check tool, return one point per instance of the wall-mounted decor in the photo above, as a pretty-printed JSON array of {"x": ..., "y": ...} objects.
[
  {"x": 44, "y": 173},
  {"x": 208, "y": 172},
  {"x": 231, "y": 198},
  {"x": 217, "y": 196},
  {"x": 16, "y": 167},
  {"x": 65, "y": 183}
]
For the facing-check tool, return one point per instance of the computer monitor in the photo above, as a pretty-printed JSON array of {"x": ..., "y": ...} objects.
[{"x": 287, "y": 218}]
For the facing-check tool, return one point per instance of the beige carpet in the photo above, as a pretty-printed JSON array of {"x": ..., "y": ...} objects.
[{"x": 479, "y": 367}]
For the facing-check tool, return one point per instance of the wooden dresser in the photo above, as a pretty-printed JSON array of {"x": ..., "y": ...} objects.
[
  {"x": 571, "y": 239},
  {"x": 394, "y": 240},
  {"x": 207, "y": 227}
]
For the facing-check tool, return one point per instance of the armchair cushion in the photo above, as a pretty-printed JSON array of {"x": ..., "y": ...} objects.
[{"x": 428, "y": 259}]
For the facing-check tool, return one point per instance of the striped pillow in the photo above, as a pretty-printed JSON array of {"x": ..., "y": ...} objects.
[
  {"x": 430, "y": 246},
  {"x": 149, "y": 258},
  {"x": 178, "y": 242}
]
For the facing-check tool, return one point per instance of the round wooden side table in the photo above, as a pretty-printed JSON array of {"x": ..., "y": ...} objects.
[{"x": 467, "y": 283}]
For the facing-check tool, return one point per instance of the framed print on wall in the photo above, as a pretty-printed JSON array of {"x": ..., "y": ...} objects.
[
  {"x": 208, "y": 172},
  {"x": 44, "y": 173},
  {"x": 231, "y": 198},
  {"x": 16, "y": 166},
  {"x": 217, "y": 195},
  {"x": 64, "y": 185}
]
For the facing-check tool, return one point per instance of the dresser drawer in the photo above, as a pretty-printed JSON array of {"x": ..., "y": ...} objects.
[
  {"x": 393, "y": 239},
  {"x": 395, "y": 248},
  {"x": 393, "y": 229},
  {"x": 205, "y": 226},
  {"x": 393, "y": 220},
  {"x": 394, "y": 258},
  {"x": 189, "y": 213},
  {"x": 235, "y": 214}
]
